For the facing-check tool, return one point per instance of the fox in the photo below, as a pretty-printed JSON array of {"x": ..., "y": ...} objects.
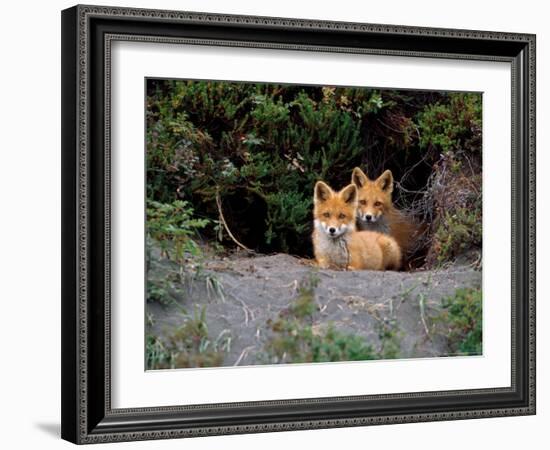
[
  {"x": 376, "y": 211},
  {"x": 336, "y": 242}
]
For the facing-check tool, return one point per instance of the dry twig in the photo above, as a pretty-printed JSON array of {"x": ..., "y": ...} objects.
[{"x": 222, "y": 220}]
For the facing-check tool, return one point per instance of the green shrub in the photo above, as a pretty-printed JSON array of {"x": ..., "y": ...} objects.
[
  {"x": 451, "y": 131},
  {"x": 454, "y": 126},
  {"x": 459, "y": 231},
  {"x": 462, "y": 316},
  {"x": 174, "y": 228},
  {"x": 260, "y": 148},
  {"x": 265, "y": 145}
]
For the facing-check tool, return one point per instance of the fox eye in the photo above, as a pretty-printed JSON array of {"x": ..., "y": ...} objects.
[
  {"x": 327, "y": 214},
  {"x": 341, "y": 216},
  {"x": 363, "y": 202},
  {"x": 377, "y": 203}
]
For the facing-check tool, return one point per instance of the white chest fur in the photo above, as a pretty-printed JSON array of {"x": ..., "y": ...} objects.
[{"x": 334, "y": 250}]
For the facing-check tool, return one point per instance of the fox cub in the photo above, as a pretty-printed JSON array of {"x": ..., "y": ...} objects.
[
  {"x": 375, "y": 211},
  {"x": 336, "y": 242}
]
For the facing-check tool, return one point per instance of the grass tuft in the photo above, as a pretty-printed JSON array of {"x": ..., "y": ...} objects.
[{"x": 190, "y": 345}]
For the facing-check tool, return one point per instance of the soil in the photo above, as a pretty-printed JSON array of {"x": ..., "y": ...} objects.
[{"x": 258, "y": 288}]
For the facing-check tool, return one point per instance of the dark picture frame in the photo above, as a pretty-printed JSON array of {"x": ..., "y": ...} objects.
[{"x": 87, "y": 34}]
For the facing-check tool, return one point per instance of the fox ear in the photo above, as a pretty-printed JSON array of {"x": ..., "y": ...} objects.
[
  {"x": 385, "y": 181},
  {"x": 322, "y": 192},
  {"x": 358, "y": 177},
  {"x": 349, "y": 194}
]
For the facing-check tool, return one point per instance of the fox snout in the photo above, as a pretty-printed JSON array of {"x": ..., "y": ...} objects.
[
  {"x": 368, "y": 217},
  {"x": 334, "y": 231}
]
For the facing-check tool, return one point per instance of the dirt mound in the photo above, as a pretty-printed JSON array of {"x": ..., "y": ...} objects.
[{"x": 377, "y": 306}]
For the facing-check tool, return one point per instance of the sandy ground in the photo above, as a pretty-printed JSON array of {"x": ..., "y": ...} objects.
[{"x": 256, "y": 289}]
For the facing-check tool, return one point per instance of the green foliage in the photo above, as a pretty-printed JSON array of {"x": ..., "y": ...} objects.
[
  {"x": 266, "y": 145},
  {"x": 390, "y": 337},
  {"x": 174, "y": 227},
  {"x": 296, "y": 338},
  {"x": 453, "y": 126},
  {"x": 333, "y": 345},
  {"x": 190, "y": 345},
  {"x": 462, "y": 315},
  {"x": 450, "y": 133},
  {"x": 459, "y": 231},
  {"x": 260, "y": 148},
  {"x": 295, "y": 343}
]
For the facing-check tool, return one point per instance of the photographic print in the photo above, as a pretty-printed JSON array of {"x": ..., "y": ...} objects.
[{"x": 302, "y": 224}]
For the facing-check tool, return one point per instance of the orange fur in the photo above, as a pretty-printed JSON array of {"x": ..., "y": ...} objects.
[
  {"x": 376, "y": 211},
  {"x": 336, "y": 242}
]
